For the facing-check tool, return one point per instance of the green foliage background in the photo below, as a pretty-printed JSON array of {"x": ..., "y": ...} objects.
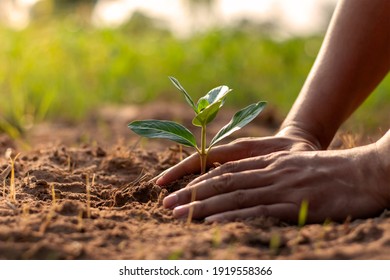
[{"x": 62, "y": 68}]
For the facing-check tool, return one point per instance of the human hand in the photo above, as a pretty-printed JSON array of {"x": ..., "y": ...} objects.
[
  {"x": 336, "y": 184},
  {"x": 288, "y": 139}
]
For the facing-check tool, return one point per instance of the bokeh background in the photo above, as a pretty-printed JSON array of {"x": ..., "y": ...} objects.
[{"x": 62, "y": 59}]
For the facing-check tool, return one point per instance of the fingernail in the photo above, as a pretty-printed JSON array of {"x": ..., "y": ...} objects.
[
  {"x": 181, "y": 211},
  {"x": 214, "y": 218},
  {"x": 159, "y": 181},
  {"x": 170, "y": 200}
]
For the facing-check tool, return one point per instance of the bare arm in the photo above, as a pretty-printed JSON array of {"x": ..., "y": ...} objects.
[
  {"x": 353, "y": 59},
  {"x": 338, "y": 184}
]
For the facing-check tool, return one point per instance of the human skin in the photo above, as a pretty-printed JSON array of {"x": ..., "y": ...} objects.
[{"x": 271, "y": 176}]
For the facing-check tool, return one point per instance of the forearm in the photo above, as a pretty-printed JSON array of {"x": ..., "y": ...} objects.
[
  {"x": 353, "y": 59},
  {"x": 383, "y": 148}
]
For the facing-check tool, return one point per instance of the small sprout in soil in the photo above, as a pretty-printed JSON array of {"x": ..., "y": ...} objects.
[
  {"x": 302, "y": 217},
  {"x": 216, "y": 240},
  {"x": 303, "y": 211},
  {"x": 205, "y": 110},
  {"x": 274, "y": 243},
  {"x": 326, "y": 228},
  {"x": 176, "y": 255}
]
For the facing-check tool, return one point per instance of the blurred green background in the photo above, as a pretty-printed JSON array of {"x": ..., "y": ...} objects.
[{"x": 60, "y": 66}]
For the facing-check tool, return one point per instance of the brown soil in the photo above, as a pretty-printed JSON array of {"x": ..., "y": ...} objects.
[{"x": 125, "y": 219}]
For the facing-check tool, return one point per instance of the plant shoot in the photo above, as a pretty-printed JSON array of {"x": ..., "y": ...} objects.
[{"x": 206, "y": 109}]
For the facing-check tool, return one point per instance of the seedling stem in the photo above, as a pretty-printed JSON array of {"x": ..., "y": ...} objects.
[
  {"x": 206, "y": 109},
  {"x": 203, "y": 153}
]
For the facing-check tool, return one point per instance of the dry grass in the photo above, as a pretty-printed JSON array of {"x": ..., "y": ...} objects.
[
  {"x": 88, "y": 193},
  {"x": 12, "y": 193}
]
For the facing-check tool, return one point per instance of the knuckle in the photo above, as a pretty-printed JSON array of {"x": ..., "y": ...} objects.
[
  {"x": 228, "y": 167},
  {"x": 277, "y": 156},
  {"x": 246, "y": 147},
  {"x": 240, "y": 199},
  {"x": 278, "y": 159},
  {"x": 200, "y": 208},
  {"x": 222, "y": 183},
  {"x": 261, "y": 211},
  {"x": 189, "y": 193}
]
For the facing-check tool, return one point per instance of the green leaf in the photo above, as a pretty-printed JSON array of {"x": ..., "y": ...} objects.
[
  {"x": 202, "y": 104},
  {"x": 164, "y": 129},
  {"x": 239, "y": 120},
  {"x": 207, "y": 115},
  {"x": 215, "y": 95},
  {"x": 188, "y": 98}
]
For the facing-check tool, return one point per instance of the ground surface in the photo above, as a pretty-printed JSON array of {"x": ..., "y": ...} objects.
[{"x": 122, "y": 217}]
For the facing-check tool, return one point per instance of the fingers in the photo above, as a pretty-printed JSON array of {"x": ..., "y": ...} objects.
[
  {"x": 219, "y": 185},
  {"x": 283, "y": 211},
  {"x": 227, "y": 178},
  {"x": 239, "y": 199},
  {"x": 237, "y": 150},
  {"x": 234, "y": 167},
  {"x": 191, "y": 165}
]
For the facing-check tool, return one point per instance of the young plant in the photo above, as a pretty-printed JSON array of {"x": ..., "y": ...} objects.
[
  {"x": 303, "y": 212},
  {"x": 206, "y": 109}
]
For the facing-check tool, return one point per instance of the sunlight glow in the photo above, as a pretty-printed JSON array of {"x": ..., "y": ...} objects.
[
  {"x": 16, "y": 13},
  {"x": 295, "y": 17}
]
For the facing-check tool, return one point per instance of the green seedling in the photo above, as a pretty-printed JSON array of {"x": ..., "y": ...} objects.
[
  {"x": 303, "y": 212},
  {"x": 206, "y": 109},
  {"x": 274, "y": 244},
  {"x": 302, "y": 218}
]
